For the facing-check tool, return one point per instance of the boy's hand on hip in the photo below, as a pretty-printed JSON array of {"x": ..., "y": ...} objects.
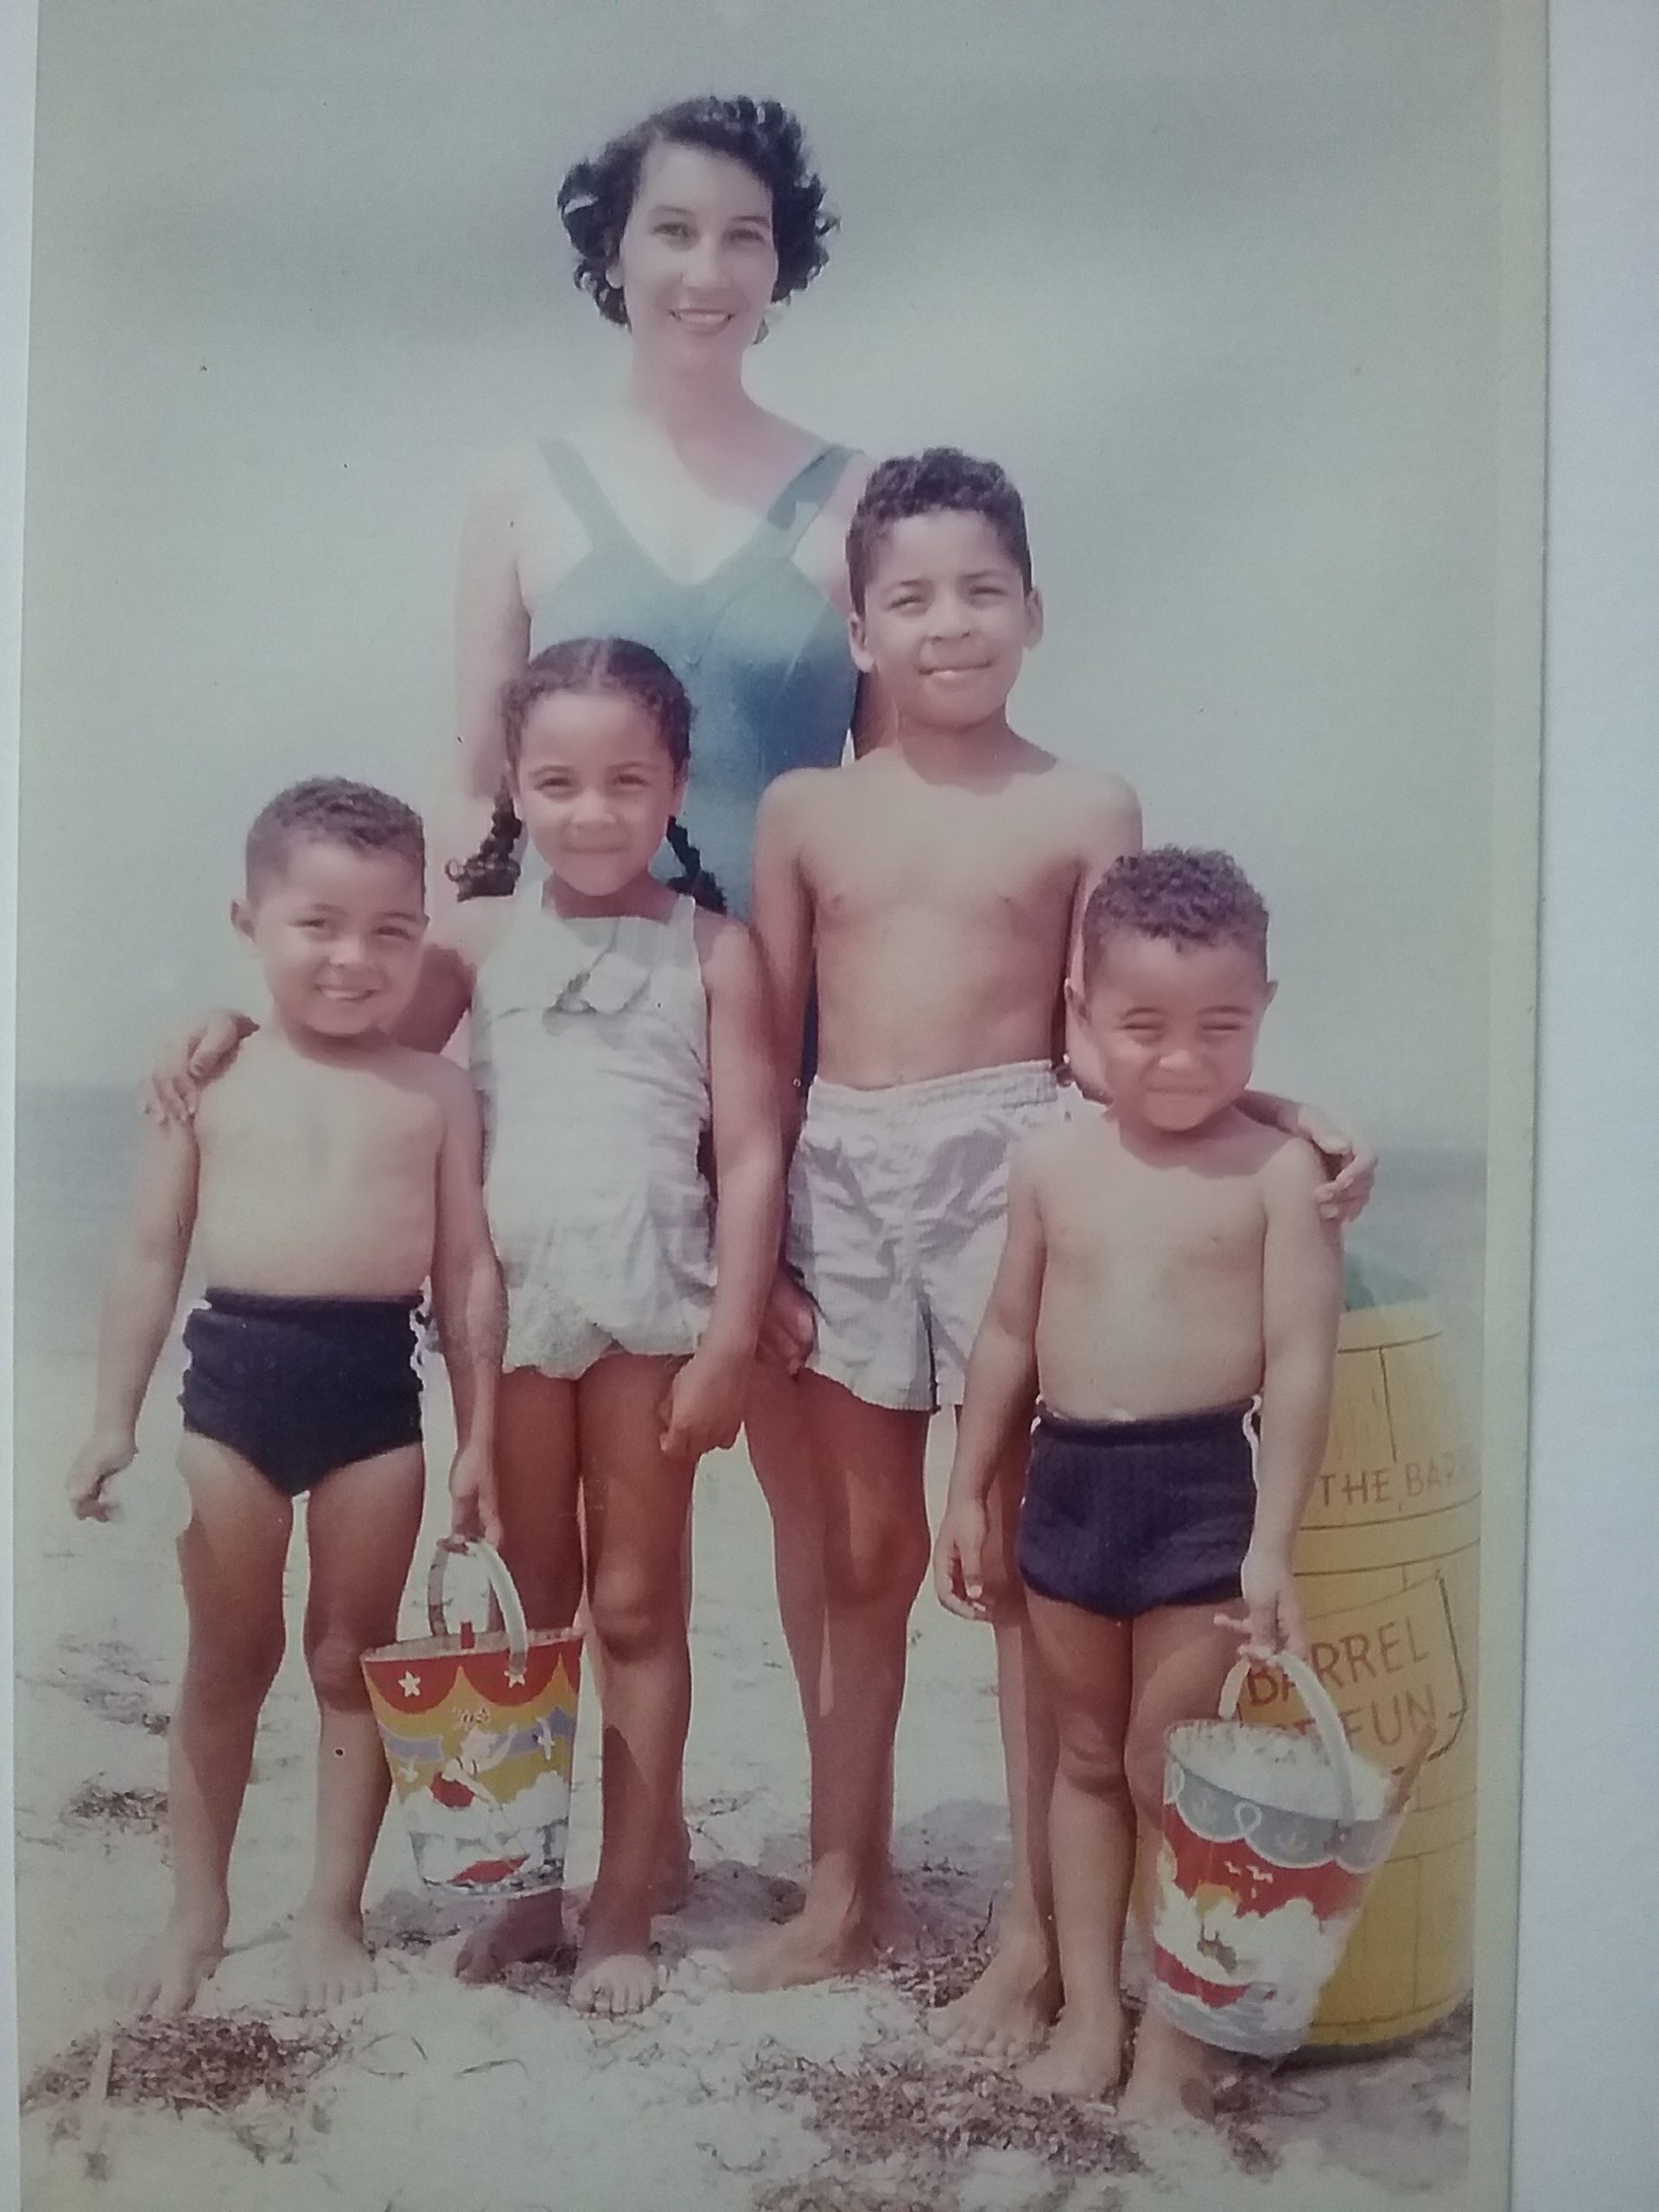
[
  {"x": 1273, "y": 1618},
  {"x": 959, "y": 1559},
  {"x": 93, "y": 1466},
  {"x": 703, "y": 1410},
  {"x": 789, "y": 1327},
  {"x": 185, "y": 1062},
  {"x": 473, "y": 1508}
]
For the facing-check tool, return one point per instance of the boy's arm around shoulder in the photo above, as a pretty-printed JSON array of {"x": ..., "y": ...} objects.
[
  {"x": 705, "y": 1403},
  {"x": 1000, "y": 1385},
  {"x": 1348, "y": 1162},
  {"x": 450, "y": 956},
  {"x": 187, "y": 1061},
  {"x": 468, "y": 1301},
  {"x": 139, "y": 1304},
  {"x": 1104, "y": 814},
  {"x": 1301, "y": 1309}
]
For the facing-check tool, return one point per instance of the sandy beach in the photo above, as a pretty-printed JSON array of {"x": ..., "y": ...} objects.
[{"x": 432, "y": 2097}]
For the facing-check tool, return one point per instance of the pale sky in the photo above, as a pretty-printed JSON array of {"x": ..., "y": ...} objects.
[{"x": 1216, "y": 284}]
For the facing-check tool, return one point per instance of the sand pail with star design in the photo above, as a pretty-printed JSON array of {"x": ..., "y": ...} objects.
[
  {"x": 479, "y": 1731},
  {"x": 1269, "y": 1837}
]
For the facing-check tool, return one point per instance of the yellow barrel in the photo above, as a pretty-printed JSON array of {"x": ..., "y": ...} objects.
[{"x": 1387, "y": 1564}]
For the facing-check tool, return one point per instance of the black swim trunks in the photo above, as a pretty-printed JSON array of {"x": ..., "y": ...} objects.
[
  {"x": 1120, "y": 1517},
  {"x": 300, "y": 1386}
]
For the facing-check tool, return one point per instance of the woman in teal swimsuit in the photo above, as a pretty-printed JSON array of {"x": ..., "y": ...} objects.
[
  {"x": 685, "y": 515},
  {"x": 689, "y": 517}
]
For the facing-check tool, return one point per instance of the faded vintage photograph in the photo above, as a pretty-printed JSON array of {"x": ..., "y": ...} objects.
[{"x": 761, "y": 786}]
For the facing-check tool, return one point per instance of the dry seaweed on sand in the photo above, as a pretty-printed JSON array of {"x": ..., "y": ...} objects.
[
  {"x": 1244, "y": 2094},
  {"x": 129, "y": 1708},
  {"x": 914, "y": 2106},
  {"x": 205, "y": 2062},
  {"x": 828, "y": 2193},
  {"x": 933, "y": 1978},
  {"x": 94, "y": 1805},
  {"x": 914, "y": 2189},
  {"x": 549, "y": 1978},
  {"x": 904, "y": 2105}
]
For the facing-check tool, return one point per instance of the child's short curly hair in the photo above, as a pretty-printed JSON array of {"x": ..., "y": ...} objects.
[
  {"x": 597, "y": 195},
  {"x": 330, "y": 810},
  {"x": 1188, "y": 897},
  {"x": 942, "y": 481}
]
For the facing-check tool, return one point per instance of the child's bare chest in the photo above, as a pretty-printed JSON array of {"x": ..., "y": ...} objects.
[
  {"x": 1134, "y": 1229},
  {"x": 328, "y": 1137},
  {"x": 965, "y": 857}
]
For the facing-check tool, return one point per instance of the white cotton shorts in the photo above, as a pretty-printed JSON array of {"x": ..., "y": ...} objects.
[{"x": 896, "y": 1205}]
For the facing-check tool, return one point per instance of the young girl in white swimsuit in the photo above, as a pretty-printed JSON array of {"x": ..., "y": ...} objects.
[{"x": 614, "y": 1020}]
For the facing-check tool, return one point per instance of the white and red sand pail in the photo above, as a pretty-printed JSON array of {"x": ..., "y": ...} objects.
[
  {"x": 478, "y": 1732},
  {"x": 1268, "y": 1839}
]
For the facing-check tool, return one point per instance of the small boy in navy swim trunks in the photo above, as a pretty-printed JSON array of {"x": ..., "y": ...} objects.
[
  {"x": 1170, "y": 1291},
  {"x": 327, "y": 1176}
]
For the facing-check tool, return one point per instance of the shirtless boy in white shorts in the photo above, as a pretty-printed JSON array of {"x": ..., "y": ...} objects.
[{"x": 934, "y": 888}]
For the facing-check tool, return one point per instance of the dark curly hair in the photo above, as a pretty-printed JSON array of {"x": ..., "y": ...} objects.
[
  {"x": 1187, "y": 898},
  {"x": 613, "y": 666},
  {"x": 329, "y": 809},
  {"x": 597, "y": 195},
  {"x": 940, "y": 481}
]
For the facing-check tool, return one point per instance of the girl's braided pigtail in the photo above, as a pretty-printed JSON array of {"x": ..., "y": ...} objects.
[
  {"x": 694, "y": 877},
  {"x": 492, "y": 871}
]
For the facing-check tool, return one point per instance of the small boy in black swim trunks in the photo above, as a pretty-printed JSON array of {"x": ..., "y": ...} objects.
[
  {"x": 1169, "y": 1289},
  {"x": 327, "y": 1176}
]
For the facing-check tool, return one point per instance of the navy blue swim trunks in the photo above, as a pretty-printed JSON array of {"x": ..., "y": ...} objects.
[
  {"x": 301, "y": 1386},
  {"x": 1122, "y": 1516}
]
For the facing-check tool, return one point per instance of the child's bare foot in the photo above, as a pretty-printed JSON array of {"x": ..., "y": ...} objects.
[
  {"x": 818, "y": 1945},
  {"x": 526, "y": 1929},
  {"x": 615, "y": 1972},
  {"x": 165, "y": 1978},
  {"x": 1172, "y": 2083},
  {"x": 331, "y": 1962},
  {"x": 1084, "y": 2057},
  {"x": 1008, "y": 2011}
]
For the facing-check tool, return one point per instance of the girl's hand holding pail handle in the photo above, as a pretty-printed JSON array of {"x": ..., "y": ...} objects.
[
  {"x": 94, "y": 1465},
  {"x": 473, "y": 1509},
  {"x": 1274, "y": 1620},
  {"x": 186, "y": 1063}
]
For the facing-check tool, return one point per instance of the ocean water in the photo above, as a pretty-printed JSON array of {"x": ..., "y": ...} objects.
[{"x": 76, "y": 1147}]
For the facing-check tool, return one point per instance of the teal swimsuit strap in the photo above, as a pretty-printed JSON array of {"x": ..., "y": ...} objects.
[
  {"x": 789, "y": 517},
  {"x": 580, "y": 488},
  {"x": 802, "y": 500}
]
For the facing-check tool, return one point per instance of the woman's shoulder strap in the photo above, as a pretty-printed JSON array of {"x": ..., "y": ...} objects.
[
  {"x": 802, "y": 498},
  {"x": 576, "y": 482}
]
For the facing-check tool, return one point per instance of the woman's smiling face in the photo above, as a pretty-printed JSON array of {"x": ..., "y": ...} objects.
[{"x": 696, "y": 263}]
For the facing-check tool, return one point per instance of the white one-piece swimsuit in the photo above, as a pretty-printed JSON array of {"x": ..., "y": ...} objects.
[{"x": 590, "y": 1056}]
